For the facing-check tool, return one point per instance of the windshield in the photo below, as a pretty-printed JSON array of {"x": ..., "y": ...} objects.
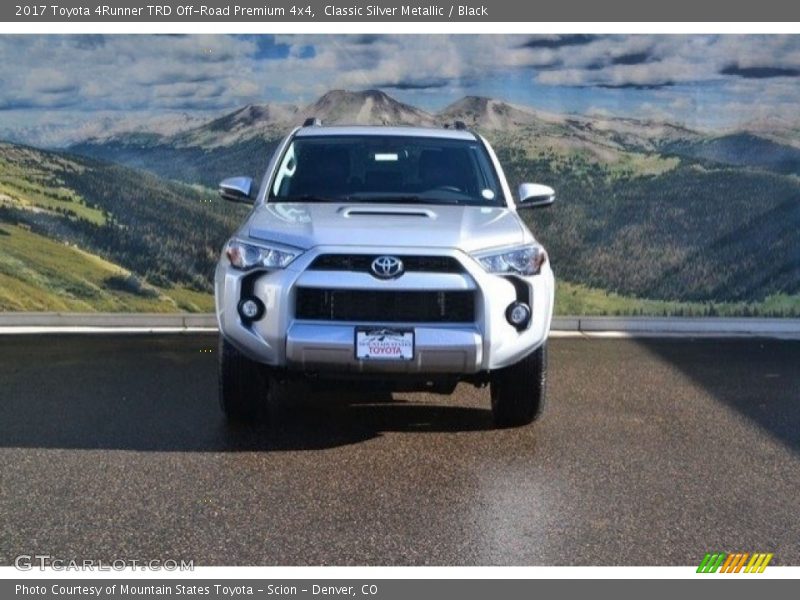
[{"x": 396, "y": 169}]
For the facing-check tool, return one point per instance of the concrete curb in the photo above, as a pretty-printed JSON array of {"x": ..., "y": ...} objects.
[
  {"x": 680, "y": 325},
  {"x": 109, "y": 320},
  {"x": 56, "y": 322}
]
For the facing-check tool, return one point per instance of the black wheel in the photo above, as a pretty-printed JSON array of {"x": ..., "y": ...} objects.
[
  {"x": 518, "y": 391},
  {"x": 243, "y": 384}
]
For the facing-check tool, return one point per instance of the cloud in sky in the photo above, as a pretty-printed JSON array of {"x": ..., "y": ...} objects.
[
  {"x": 616, "y": 73},
  {"x": 558, "y": 41},
  {"x": 760, "y": 72}
]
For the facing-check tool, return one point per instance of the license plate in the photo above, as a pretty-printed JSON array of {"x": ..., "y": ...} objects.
[{"x": 384, "y": 344}]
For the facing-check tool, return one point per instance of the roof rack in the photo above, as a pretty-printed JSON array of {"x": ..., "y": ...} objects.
[{"x": 312, "y": 122}]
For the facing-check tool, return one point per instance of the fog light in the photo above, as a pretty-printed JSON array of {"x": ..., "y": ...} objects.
[
  {"x": 251, "y": 309},
  {"x": 518, "y": 314}
]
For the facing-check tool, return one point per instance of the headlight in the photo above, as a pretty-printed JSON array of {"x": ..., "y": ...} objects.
[
  {"x": 525, "y": 260},
  {"x": 249, "y": 256}
]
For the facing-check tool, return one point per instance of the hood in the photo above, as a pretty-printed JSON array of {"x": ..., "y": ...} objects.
[{"x": 468, "y": 228}]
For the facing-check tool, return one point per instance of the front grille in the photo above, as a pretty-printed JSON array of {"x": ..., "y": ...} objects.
[
  {"x": 363, "y": 263},
  {"x": 385, "y": 306}
]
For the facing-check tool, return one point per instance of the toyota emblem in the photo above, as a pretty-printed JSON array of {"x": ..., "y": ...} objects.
[{"x": 387, "y": 267}]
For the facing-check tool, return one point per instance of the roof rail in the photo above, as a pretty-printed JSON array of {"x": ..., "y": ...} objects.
[{"x": 312, "y": 122}]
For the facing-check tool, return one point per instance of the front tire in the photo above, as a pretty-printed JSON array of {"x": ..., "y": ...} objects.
[
  {"x": 243, "y": 384},
  {"x": 519, "y": 391}
]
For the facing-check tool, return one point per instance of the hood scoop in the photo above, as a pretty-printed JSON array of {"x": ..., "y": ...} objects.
[{"x": 386, "y": 211}]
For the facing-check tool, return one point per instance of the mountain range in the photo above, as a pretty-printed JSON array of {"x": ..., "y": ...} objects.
[
  {"x": 206, "y": 152},
  {"x": 374, "y": 107}
]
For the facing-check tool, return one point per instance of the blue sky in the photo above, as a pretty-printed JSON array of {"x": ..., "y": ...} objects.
[{"x": 703, "y": 81}]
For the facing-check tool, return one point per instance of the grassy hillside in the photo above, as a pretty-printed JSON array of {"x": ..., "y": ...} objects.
[
  {"x": 742, "y": 149},
  {"x": 30, "y": 179},
  {"x": 78, "y": 234},
  {"x": 577, "y": 299},
  {"x": 40, "y": 274}
]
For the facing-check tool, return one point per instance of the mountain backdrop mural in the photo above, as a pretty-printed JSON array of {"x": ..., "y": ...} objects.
[{"x": 662, "y": 209}]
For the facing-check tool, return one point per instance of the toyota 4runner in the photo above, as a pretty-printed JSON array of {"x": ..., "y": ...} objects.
[{"x": 391, "y": 256}]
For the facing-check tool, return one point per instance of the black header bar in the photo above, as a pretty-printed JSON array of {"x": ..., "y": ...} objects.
[{"x": 377, "y": 11}]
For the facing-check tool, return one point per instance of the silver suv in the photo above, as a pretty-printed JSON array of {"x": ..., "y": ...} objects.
[{"x": 389, "y": 256}]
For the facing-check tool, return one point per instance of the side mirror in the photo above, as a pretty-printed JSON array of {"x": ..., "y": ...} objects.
[
  {"x": 535, "y": 195},
  {"x": 237, "y": 189}
]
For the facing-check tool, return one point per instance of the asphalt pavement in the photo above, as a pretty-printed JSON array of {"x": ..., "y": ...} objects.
[{"x": 650, "y": 452}]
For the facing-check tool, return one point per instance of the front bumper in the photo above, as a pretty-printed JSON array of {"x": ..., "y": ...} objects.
[
  {"x": 321, "y": 347},
  {"x": 280, "y": 339}
]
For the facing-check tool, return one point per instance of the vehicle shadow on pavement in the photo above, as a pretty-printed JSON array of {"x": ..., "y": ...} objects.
[
  {"x": 340, "y": 418},
  {"x": 760, "y": 379},
  {"x": 160, "y": 394}
]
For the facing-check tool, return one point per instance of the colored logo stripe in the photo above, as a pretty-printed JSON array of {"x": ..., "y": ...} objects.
[
  {"x": 711, "y": 562},
  {"x": 727, "y": 566},
  {"x": 758, "y": 563},
  {"x": 734, "y": 562}
]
